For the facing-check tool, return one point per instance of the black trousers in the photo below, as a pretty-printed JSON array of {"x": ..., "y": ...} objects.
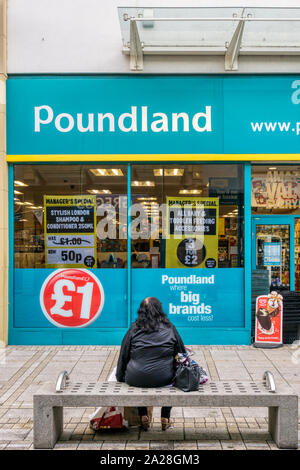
[{"x": 165, "y": 411}]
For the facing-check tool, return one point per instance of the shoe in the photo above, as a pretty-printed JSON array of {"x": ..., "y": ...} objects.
[
  {"x": 145, "y": 422},
  {"x": 165, "y": 423}
]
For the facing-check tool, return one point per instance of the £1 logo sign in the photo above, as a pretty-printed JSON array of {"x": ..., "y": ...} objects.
[{"x": 72, "y": 298}]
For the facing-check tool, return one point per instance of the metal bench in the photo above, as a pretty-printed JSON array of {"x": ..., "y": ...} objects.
[{"x": 281, "y": 402}]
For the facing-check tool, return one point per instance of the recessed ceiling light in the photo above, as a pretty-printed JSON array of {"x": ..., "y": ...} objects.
[
  {"x": 99, "y": 191},
  {"x": 146, "y": 199},
  {"x": 142, "y": 183},
  {"x": 273, "y": 168},
  {"x": 190, "y": 191},
  {"x": 168, "y": 171},
  {"x": 106, "y": 171}
]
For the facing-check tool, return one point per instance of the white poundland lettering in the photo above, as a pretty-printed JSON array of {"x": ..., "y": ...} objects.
[
  {"x": 138, "y": 119},
  {"x": 192, "y": 279}
]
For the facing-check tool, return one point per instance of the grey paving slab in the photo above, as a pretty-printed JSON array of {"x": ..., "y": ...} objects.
[
  {"x": 159, "y": 445},
  {"x": 18, "y": 446},
  {"x": 137, "y": 445},
  {"x": 72, "y": 353},
  {"x": 18, "y": 413},
  {"x": 281, "y": 354},
  {"x": 225, "y": 355},
  {"x": 232, "y": 373},
  {"x": 233, "y": 445},
  {"x": 127, "y": 435},
  {"x": 255, "y": 434},
  {"x": 156, "y": 434},
  {"x": 185, "y": 445},
  {"x": 66, "y": 445},
  {"x": 176, "y": 412},
  {"x": 73, "y": 413},
  {"x": 111, "y": 445},
  {"x": 13, "y": 434},
  {"x": 252, "y": 445},
  {"x": 252, "y": 355},
  {"x": 89, "y": 446},
  {"x": 209, "y": 445},
  {"x": 202, "y": 413},
  {"x": 250, "y": 412},
  {"x": 20, "y": 352},
  {"x": 206, "y": 434}
]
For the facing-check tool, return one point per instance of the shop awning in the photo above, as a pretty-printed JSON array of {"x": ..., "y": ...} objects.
[{"x": 209, "y": 31}]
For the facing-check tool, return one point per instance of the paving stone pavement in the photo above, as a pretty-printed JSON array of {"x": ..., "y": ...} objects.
[{"x": 25, "y": 370}]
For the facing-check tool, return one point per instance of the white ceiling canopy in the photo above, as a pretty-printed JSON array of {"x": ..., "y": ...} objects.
[{"x": 209, "y": 31}]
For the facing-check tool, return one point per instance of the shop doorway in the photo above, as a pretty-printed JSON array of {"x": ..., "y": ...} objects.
[{"x": 273, "y": 250}]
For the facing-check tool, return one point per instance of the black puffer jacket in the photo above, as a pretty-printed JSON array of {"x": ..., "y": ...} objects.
[{"x": 147, "y": 359}]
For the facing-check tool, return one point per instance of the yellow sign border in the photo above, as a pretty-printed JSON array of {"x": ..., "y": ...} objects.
[{"x": 229, "y": 157}]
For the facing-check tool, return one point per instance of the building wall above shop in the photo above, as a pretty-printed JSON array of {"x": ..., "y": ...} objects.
[{"x": 84, "y": 36}]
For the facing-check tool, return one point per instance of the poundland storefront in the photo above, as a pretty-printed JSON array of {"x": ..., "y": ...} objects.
[{"x": 198, "y": 157}]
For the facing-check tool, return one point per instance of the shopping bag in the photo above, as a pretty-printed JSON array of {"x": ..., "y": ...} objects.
[
  {"x": 131, "y": 415},
  {"x": 108, "y": 418}
]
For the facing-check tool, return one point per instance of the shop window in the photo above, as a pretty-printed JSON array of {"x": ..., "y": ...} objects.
[
  {"x": 187, "y": 216},
  {"x": 275, "y": 189},
  {"x": 98, "y": 239},
  {"x": 297, "y": 254}
]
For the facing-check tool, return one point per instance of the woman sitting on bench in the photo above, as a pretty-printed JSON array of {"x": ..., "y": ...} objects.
[{"x": 147, "y": 354}]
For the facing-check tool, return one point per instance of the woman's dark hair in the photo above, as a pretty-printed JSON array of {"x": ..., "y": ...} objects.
[{"x": 151, "y": 315}]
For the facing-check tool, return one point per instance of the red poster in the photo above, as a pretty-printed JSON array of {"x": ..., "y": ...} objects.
[
  {"x": 268, "y": 319},
  {"x": 72, "y": 298}
]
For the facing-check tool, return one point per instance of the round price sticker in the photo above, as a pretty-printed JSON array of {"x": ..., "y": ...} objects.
[{"x": 72, "y": 298}]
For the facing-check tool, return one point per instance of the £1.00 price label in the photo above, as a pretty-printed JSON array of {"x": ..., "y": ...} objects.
[{"x": 72, "y": 298}]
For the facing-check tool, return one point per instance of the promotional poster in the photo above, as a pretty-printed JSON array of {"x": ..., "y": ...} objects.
[
  {"x": 268, "y": 320},
  {"x": 70, "y": 231},
  {"x": 192, "y": 232}
]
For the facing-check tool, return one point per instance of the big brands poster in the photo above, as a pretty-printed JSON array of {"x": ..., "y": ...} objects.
[
  {"x": 70, "y": 231},
  {"x": 192, "y": 232}
]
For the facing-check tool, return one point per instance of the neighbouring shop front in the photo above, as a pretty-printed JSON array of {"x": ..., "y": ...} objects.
[{"x": 120, "y": 188}]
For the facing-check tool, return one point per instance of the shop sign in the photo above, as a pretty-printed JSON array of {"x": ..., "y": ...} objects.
[
  {"x": 268, "y": 320},
  {"x": 272, "y": 254},
  {"x": 153, "y": 116},
  {"x": 192, "y": 232},
  {"x": 72, "y": 298},
  {"x": 70, "y": 231}
]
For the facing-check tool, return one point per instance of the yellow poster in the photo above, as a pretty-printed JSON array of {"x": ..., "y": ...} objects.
[
  {"x": 70, "y": 231},
  {"x": 192, "y": 232}
]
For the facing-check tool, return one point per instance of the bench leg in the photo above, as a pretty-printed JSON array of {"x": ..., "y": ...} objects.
[
  {"x": 283, "y": 424},
  {"x": 47, "y": 425}
]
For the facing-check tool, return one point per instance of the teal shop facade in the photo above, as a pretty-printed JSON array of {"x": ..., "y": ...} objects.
[{"x": 140, "y": 129}]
